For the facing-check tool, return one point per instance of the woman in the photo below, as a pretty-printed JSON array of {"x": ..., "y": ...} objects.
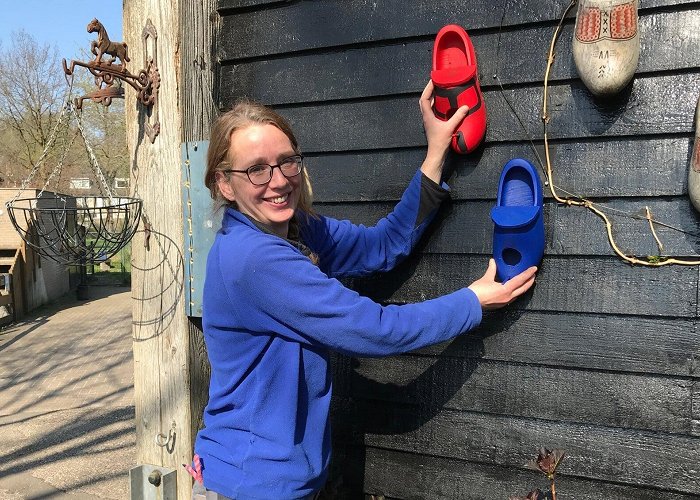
[{"x": 273, "y": 310}]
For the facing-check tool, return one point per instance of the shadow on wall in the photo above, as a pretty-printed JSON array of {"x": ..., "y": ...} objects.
[{"x": 399, "y": 395}]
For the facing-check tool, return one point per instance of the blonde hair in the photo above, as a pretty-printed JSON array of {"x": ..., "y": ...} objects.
[{"x": 219, "y": 156}]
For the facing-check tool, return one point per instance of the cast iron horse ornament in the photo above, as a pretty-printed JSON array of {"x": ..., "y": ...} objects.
[
  {"x": 105, "y": 68},
  {"x": 103, "y": 45}
]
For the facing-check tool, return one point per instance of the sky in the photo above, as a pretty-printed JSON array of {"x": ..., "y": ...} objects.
[{"x": 61, "y": 23}]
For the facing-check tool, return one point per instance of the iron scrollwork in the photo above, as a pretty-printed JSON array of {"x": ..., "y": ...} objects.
[{"x": 109, "y": 73}]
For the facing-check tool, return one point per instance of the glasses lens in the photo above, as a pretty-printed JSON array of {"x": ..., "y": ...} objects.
[
  {"x": 259, "y": 174},
  {"x": 291, "y": 166}
]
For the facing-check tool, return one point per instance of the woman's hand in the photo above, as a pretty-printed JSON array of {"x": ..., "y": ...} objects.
[
  {"x": 493, "y": 295},
  {"x": 438, "y": 133}
]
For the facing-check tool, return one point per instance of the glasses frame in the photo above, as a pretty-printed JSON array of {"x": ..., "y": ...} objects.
[{"x": 272, "y": 170}]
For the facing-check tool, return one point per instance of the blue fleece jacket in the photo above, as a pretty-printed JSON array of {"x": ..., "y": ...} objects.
[{"x": 270, "y": 317}]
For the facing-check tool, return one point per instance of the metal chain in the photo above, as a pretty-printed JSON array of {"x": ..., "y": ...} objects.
[
  {"x": 59, "y": 166},
  {"x": 91, "y": 154},
  {"x": 44, "y": 154}
]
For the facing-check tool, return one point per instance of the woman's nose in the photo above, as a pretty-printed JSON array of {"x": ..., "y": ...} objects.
[{"x": 278, "y": 179}]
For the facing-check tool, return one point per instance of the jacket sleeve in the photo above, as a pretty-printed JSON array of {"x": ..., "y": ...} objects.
[
  {"x": 346, "y": 249},
  {"x": 284, "y": 293}
]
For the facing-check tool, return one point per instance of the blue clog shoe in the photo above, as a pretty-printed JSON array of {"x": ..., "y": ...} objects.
[{"x": 518, "y": 235}]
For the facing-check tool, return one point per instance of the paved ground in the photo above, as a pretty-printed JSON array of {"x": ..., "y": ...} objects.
[{"x": 66, "y": 400}]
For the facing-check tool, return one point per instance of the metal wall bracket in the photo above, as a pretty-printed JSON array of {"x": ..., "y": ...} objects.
[
  {"x": 152, "y": 79},
  {"x": 108, "y": 72},
  {"x": 151, "y": 482}
]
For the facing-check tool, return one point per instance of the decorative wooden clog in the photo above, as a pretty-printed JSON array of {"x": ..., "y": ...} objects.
[
  {"x": 606, "y": 44},
  {"x": 694, "y": 168}
]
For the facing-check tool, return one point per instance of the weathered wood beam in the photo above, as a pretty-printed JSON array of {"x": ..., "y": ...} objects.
[
  {"x": 604, "y": 398},
  {"x": 564, "y": 283},
  {"x": 619, "y": 167},
  {"x": 436, "y": 478},
  {"x": 465, "y": 227},
  {"x": 608, "y": 454},
  {"x": 161, "y": 344},
  {"x": 671, "y": 42}
]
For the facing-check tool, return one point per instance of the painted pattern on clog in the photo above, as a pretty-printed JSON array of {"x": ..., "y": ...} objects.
[
  {"x": 606, "y": 44},
  {"x": 694, "y": 168},
  {"x": 623, "y": 22},
  {"x": 616, "y": 23}
]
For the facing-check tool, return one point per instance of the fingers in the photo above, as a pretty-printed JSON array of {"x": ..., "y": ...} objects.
[
  {"x": 457, "y": 118},
  {"x": 520, "y": 279},
  {"x": 426, "y": 97},
  {"x": 490, "y": 273},
  {"x": 521, "y": 283},
  {"x": 522, "y": 289},
  {"x": 427, "y": 91}
]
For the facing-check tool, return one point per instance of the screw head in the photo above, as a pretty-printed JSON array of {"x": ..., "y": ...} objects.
[{"x": 155, "y": 478}]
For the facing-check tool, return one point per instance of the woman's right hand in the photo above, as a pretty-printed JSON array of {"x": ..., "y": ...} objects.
[
  {"x": 494, "y": 295},
  {"x": 438, "y": 133}
]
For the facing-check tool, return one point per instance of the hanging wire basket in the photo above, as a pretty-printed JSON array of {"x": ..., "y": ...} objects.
[{"x": 75, "y": 230}]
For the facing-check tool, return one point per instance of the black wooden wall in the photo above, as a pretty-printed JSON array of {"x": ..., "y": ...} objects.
[{"x": 601, "y": 358}]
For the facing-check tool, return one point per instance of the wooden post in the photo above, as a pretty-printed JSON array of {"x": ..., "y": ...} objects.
[
  {"x": 161, "y": 381},
  {"x": 168, "y": 350}
]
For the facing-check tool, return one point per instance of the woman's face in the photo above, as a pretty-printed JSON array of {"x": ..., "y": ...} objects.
[{"x": 273, "y": 203}]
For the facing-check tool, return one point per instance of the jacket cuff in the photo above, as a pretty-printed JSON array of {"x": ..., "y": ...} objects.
[{"x": 431, "y": 197}]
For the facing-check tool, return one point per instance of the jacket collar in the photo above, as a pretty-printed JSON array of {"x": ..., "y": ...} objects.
[{"x": 233, "y": 216}]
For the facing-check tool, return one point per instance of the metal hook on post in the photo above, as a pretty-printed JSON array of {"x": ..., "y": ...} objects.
[{"x": 167, "y": 442}]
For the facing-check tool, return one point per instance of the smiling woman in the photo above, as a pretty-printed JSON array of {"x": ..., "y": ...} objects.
[
  {"x": 269, "y": 193},
  {"x": 272, "y": 311}
]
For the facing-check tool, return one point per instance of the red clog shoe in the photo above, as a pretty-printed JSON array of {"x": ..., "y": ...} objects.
[{"x": 456, "y": 81}]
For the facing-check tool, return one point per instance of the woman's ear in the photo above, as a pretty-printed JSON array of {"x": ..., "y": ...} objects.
[{"x": 222, "y": 182}]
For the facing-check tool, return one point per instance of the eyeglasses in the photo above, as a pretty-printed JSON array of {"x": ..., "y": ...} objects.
[{"x": 261, "y": 174}]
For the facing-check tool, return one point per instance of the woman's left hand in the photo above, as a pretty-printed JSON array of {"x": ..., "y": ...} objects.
[{"x": 437, "y": 132}]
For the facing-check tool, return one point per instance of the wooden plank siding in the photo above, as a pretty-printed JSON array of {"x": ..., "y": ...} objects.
[{"x": 601, "y": 358}]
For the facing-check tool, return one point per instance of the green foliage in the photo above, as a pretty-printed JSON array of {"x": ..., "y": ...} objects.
[
  {"x": 116, "y": 271},
  {"x": 656, "y": 259}
]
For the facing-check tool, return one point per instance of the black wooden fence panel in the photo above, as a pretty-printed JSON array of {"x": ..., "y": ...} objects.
[
  {"x": 400, "y": 67},
  {"x": 440, "y": 478},
  {"x": 587, "y": 397},
  {"x": 600, "y": 359},
  {"x": 633, "y": 166},
  {"x": 466, "y": 227},
  {"x": 306, "y": 25}
]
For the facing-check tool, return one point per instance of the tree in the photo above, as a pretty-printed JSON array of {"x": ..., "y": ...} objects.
[
  {"x": 33, "y": 91},
  {"x": 30, "y": 99}
]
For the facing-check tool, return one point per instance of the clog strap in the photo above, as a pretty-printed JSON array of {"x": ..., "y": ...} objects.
[
  {"x": 450, "y": 99},
  {"x": 452, "y": 76},
  {"x": 514, "y": 216}
]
